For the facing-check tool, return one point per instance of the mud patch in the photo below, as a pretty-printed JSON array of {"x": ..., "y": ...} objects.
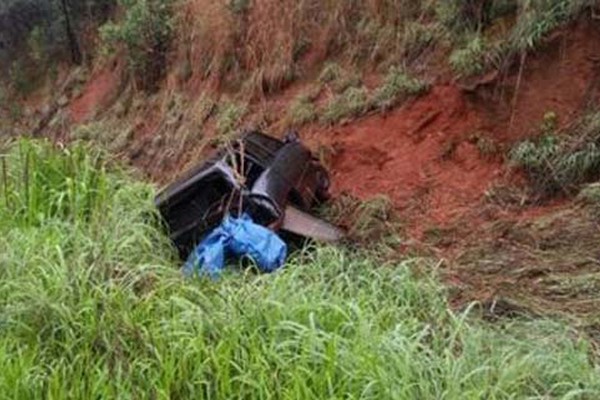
[{"x": 422, "y": 156}]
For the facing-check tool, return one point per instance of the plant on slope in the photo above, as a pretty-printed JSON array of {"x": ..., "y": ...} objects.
[
  {"x": 535, "y": 20},
  {"x": 93, "y": 306},
  {"x": 145, "y": 32},
  {"x": 353, "y": 102},
  {"x": 338, "y": 78},
  {"x": 397, "y": 86},
  {"x": 302, "y": 110},
  {"x": 562, "y": 163},
  {"x": 470, "y": 59},
  {"x": 229, "y": 117}
]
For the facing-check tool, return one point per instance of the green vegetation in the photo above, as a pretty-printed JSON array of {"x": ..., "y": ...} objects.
[
  {"x": 339, "y": 79},
  {"x": 351, "y": 103},
  {"x": 93, "y": 307},
  {"x": 105, "y": 134},
  {"x": 470, "y": 59},
  {"x": 417, "y": 37},
  {"x": 145, "y": 32},
  {"x": 590, "y": 194},
  {"x": 397, "y": 86},
  {"x": 477, "y": 53},
  {"x": 369, "y": 223},
  {"x": 229, "y": 116},
  {"x": 562, "y": 163},
  {"x": 554, "y": 253},
  {"x": 539, "y": 19},
  {"x": 302, "y": 110},
  {"x": 331, "y": 72}
]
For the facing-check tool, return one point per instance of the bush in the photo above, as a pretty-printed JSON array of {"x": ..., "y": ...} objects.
[
  {"x": 338, "y": 78},
  {"x": 535, "y": 20},
  {"x": 417, "y": 37},
  {"x": 145, "y": 32}
]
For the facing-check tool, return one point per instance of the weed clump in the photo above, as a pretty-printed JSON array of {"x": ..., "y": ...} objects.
[
  {"x": 367, "y": 222},
  {"x": 229, "y": 116},
  {"x": 339, "y": 79},
  {"x": 302, "y": 110},
  {"x": 331, "y": 72},
  {"x": 417, "y": 37},
  {"x": 562, "y": 163},
  {"x": 352, "y": 102},
  {"x": 470, "y": 59},
  {"x": 397, "y": 86}
]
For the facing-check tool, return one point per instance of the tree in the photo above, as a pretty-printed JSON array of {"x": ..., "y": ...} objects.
[{"x": 74, "y": 48}]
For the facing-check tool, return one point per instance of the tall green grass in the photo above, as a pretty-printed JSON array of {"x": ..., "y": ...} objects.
[{"x": 92, "y": 306}]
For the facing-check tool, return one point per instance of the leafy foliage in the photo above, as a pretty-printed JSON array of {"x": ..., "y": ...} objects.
[
  {"x": 535, "y": 19},
  {"x": 145, "y": 32},
  {"x": 470, "y": 59}
]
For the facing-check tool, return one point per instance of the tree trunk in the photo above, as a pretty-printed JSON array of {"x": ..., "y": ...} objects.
[{"x": 76, "y": 56}]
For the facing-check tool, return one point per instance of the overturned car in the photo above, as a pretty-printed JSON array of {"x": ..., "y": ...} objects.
[{"x": 275, "y": 183}]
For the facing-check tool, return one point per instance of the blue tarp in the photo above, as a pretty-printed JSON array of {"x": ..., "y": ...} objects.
[{"x": 237, "y": 237}]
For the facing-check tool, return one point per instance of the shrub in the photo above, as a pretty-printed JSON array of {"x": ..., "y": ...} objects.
[
  {"x": 369, "y": 223},
  {"x": 397, "y": 86},
  {"x": 145, "y": 32},
  {"x": 535, "y": 20},
  {"x": 417, "y": 37},
  {"x": 538, "y": 18}
]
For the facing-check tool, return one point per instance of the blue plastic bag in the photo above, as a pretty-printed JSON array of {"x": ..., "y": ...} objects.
[{"x": 237, "y": 237}]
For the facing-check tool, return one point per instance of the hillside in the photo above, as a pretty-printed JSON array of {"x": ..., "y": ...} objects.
[{"x": 463, "y": 141}]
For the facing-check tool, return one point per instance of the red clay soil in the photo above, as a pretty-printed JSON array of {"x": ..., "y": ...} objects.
[
  {"x": 563, "y": 77},
  {"x": 427, "y": 155},
  {"x": 422, "y": 156},
  {"x": 98, "y": 90}
]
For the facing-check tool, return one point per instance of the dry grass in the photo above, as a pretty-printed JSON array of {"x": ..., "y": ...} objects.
[
  {"x": 284, "y": 37},
  {"x": 546, "y": 265}
]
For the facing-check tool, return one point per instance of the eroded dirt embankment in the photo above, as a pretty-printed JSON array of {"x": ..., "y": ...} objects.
[
  {"x": 440, "y": 157},
  {"x": 436, "y": 157}
]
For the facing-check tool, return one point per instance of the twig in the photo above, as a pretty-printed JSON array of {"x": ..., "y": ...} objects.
[{"x": 517, "y": 87}]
